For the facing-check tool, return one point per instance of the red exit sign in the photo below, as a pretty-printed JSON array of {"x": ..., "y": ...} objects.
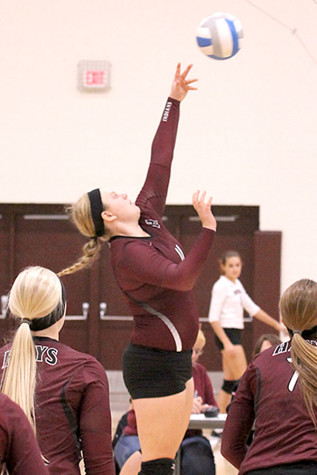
[{"x": 94, "y": 75}]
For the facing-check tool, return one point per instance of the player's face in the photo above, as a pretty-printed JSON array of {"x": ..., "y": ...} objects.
[
  {"x": 265, "y": 345},
  {"x": 232, "y": 268},
  {"x": 197, "y": 351},
  {"x": 120, "y": 205}
]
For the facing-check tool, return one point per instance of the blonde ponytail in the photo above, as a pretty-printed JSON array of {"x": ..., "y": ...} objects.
[
  {"x": 304, "y": 360},
  {"x": 298, "y": 307},
  {"x": 80, "y": 215},
  {"x": 20, "y": 375},
  {"x": 35, "y": 293}
]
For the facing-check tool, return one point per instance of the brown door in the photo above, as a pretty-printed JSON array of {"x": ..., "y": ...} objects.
[{"x": 98, "y": 317}]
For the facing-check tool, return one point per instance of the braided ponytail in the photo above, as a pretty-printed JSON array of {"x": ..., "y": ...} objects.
[
  {"x": 91, "y": 252},
  {"x": 81, "y": 216}
]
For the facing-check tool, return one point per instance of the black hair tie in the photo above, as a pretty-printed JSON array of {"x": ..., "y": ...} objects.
[
  {"x": 306, "y": 334},
  {"x": 26, "y": 320},
  {"x": 96, "y": 207}
]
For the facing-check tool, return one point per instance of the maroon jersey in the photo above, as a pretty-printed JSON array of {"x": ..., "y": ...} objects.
[
  {"x": 203, "y": 389},
  {"x": 18, "y": 446},
  {"x": 203, "y": 385},
  {"x": 153, "y": 272},
  {"x": 71, "y": 408},
  {"x": 269, "y": 394}
]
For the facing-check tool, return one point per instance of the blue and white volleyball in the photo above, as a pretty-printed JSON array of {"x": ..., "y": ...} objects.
[{"x": 219, "y": 36}]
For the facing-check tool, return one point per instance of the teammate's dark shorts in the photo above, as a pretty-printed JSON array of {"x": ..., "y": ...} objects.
[
  {"x": 234, "y": 335},
  {"x": 151, "y": 372},
  {"x": 308, "y": 467}
]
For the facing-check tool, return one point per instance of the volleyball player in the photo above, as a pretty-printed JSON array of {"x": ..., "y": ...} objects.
[
  {"x": 19, "y": 451},
  {"x": 63, "y": 392},
  {"x": 278, "y": 392},
  {"x": 157, "y": 280}
]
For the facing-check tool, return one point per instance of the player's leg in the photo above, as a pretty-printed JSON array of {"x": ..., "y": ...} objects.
[
  {"x": 162, "y": 423},
  {"x": 132, "y": 465},
  {"x": 234, "y": 364}
]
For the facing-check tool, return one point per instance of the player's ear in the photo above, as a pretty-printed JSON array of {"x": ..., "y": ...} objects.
[{"x": 108, "y": 217}]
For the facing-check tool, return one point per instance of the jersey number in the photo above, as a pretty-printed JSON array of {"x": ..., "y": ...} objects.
[{"x": 293, "y": 379}]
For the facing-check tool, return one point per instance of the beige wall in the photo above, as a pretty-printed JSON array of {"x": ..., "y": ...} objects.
[{"x": 248, "y": 135}]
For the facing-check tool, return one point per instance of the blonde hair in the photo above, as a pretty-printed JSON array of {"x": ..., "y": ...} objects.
[
  {"x": 35, "y": 293},
  {"x": 80, "y": 213},
  {"x": 298, "y": 306}
]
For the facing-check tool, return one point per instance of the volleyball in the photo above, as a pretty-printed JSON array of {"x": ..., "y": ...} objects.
[{"x": 219, "y": 36}]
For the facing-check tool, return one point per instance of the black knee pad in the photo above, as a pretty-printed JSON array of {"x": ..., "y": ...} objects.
[
  {"x": 229, "y": 385},
  {"x": 158, "y": 467}
]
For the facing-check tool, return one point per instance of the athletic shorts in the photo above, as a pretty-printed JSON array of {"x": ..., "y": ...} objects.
[
  {"x": 296, "y": 468},
  {"x": 234, "y": 335},
  {"x": 151, "y": 372}
]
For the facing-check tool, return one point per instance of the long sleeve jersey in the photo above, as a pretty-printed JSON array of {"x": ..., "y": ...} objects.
[
  {"x": 72, "y": 409},
  {"x": 269, "y": 393},
  {"x": 19, "y": 450},
  {"x": 152, "y": 271}
]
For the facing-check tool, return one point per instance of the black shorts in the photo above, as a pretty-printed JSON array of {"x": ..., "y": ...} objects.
[
  {"x": 151, "y": 372},
  {"x": 234, "y": 335},
  {"x": 296, "y": 468}
]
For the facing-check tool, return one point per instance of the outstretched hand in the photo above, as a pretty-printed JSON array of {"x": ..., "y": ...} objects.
[
  {"x": 203, "y": 208},
  {"x": 181, "y": 85}
]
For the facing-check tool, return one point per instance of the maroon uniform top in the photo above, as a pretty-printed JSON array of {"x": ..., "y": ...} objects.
[
  {"x": 204, "y": 389},
  {"x": 18, "y": 446},
  {"x": 203, "y": 385},
  {"x": 270, "y": 394},
  {"x": 154, "y": 269},
  {"x": 72, "y": 404}
]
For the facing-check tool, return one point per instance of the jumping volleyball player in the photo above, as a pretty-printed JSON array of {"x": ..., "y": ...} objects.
[{"x": 157, "y": 280}]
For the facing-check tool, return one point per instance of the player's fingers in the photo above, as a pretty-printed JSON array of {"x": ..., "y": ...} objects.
[
  {"x": 195, "y": 196},
  {"x": 184, "y": 74},
  {"x": 202, "y": 196},
  {"x": 190, "y": 81}
]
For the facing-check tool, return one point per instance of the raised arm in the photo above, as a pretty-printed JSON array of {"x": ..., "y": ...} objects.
[{"x": 155, "y": 188}]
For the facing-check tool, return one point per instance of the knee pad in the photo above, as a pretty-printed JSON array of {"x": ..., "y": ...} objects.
[
  {"x": 229, "y": 385},
  {"x": 163, "y": 466}
]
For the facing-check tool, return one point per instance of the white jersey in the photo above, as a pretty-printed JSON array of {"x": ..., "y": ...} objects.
[{"x": 228, "y": 301}]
